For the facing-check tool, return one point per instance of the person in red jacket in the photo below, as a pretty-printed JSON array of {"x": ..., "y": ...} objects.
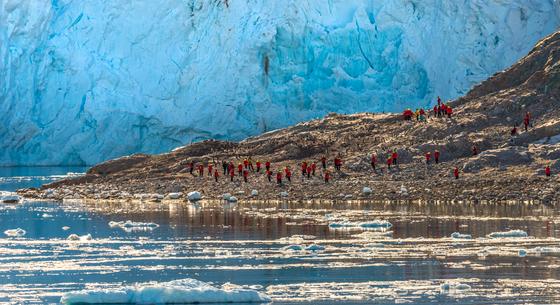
[
  {"x": 303, "y": 168},
  {"x": 230, "y": 167},
  {"x": 267, "y": 165},
  {"x": 246, "y": 163},
  {"x": 258, "y": 166},
  {"x": 373, "y": 161},
  {"x": 288, "y": 174},
  {"x": 389, "y": 162},
  {"x": 435, "y": 111},
  {"x": 327, "y": 176},
  {"x": 309, "y": 170},
  {"x": 231, "y": 175},
  {"x": 245, "y": 175},
  {"x": 210, "y": 166},
  {"x": 324, "y": 162},
  {"x": 200, "y": 170},
  {"x": 216, "y": 175},
  {"x": 449, "y": 111},
  {"x": 279, "y": 178},
  {"x": 513, "y": 131},
  {"x": 436, "y": 156},
  {"x": 438, "y": 100},
  {"x": 191, "y": 167},
  {"x": 394, "y": 156},
  {"x": 428, "y": 157},
  {"x": 240, "y": 169},
  {"x": 547, "y": 171},
  {"x": 527, "y": 120},
  {"x": 456, "y": 173},
  {"x": 313, "y": 168},
  {"x": 269, "y": 175},
  {"x": 474, "y": 150}
]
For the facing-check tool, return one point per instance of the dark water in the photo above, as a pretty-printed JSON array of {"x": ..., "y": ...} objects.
[{"x": 411, "y": 262}]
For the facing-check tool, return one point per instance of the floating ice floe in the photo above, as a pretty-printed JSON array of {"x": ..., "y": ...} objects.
[
  {"x": 457, "y": 235},
  {"x": 9, "y": 197},
  {"x": 366, "y": 225},
  {"x": 187, "y": 291},
  {"x": 76, "y": 237},
  {"x": 45, "y": 215},
  {"x": 312, "y": 247},
  {"x": 174, "y": 195},
  {"x": 315, "y": 247},
  {"x": 66, "y": 228},
  {"x": 454, "y": 287},
  {"x": 508, "y": 234},
  {"x": 130, "y": 226},
  {"x": 194, "y": 196},
  {"x": 15, "y": 232},
  {"x": 292, "y": 248}
]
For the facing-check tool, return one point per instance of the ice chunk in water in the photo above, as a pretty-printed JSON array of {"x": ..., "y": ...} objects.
[
  {"x": 314, "y": 247},
  {"x": 458, "y": 235},
  {"x": 511, "y": 233},
  {"x": 130, "y": 226},
  {"x": 374, "y": 224},
  {"x": 449, "y": 287},
  {"x": 187, "y": 291},
  {"x": 76, "y": 237},
  {"x": 15, "y": 232}
]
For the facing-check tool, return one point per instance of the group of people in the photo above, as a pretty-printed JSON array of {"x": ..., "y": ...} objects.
[
  {"x": 247, "y": 167},
  {"x": 440, "y": 110}
]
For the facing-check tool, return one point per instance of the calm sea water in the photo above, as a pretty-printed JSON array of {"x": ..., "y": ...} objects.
[{"x": 266, "y": 246}]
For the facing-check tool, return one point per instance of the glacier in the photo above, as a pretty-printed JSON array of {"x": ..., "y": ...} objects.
[{"x": 85, "y": 81}]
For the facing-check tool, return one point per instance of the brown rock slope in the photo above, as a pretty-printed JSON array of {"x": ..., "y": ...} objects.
[{"x": 508, "y": 167}]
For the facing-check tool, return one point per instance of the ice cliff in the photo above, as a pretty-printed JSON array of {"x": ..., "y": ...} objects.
[{"x": 84, "y": 81}]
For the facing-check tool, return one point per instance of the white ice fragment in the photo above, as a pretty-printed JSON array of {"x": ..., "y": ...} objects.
[
  {"x": 9, "y": 197},
  {"x": 403, "y": 190},
  {"x": 254, "y": 193},
  {"x": 226, "y": 196},
  {"x": 76, "y": 237},
  {"x": 454, "y": 287},
  {"x": 187, "y": 291},
  {"x": 66, "y": 228},
  {"x": 508, "y": 234},
  {"x": 45, "y": 215},
  {"x": 284, "y": 194},
  {"x": 458, "y": 235},
  {"x": 522, "y": 252},
  {"x": 374, "y": 224},
  {"x": 130, "y": 225},
  {"x": 292, "y": 248},
  {"x": 232, "y": 199},
  {"x": 315, "y": 247},
  {"x": 367, "y": 191},
  {"x": 15, "y": 232},
  {"x": 174, "y": 195},
  {"x": 194, "y": 196}
]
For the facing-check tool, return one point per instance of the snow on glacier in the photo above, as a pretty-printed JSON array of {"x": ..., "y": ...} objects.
[{"x": 84, "y": 81}]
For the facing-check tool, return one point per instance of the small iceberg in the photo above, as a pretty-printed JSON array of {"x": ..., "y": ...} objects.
[
  {"x": 365, "y": 225},
  {"x": 15, "y": 232},
  {"x": 457, "y": 235},
  {"x": 187, "y": 291},
  {"x": 454, "y": 287},
  {"x": 194, "y": 196},
  {"x": 130, "y": 226},
  {"x": 508, "y": 234},
  {"x": 9, "y": 197},
  {"x": 315, "y": 247},
  {"x": 292, "y": 248},
  {"x": 76, "y": 237}
]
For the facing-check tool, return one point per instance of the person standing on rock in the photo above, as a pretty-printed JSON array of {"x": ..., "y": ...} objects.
[
  {"x": 428, "y": 158},
  {"x": 210, "y": 166},
  {"x": 246, "y": 163},
  {"x": 547, "y": 171},
  {"x": 216, "y": 175},
  {"x": 395, "y": 156},
  {"x": 258, "y": 166},
  {"x": 303, "y": 168},
  {"x": 251, "y": 165},
  {"x": 324, "y": 162},
  {"x": 230, "y": 167},
  {"x": 191, "y": 167},
  {"x": 313, "y": 168},
  {"x": 373, "y": 161},
  {"x": 389, "y": 162},
  {"x": 456, "y": 173},
  {"x": 288, "y": 174},
  {"x": 449, "y": 111},
  {"x": 269, "y": 175},
  {"x": 245, "y": 175},
  {"x": 267, "y": 165},
  {"x": 474, "y": 150},
  {"x": 435, "y": 111},
  {"x": 224, "y": 166},
  {"x": 231, "y": 174},
  {"x": 327, "y": 176},
  {"x": 527, "y": 120},
  {"x": 436, "y": 156},
  {"x": 240, "y": 169},
  {"x": 438, "y": 101},
  {"x": 309, "y": 170},
  {"x": 279, "y": 178}
]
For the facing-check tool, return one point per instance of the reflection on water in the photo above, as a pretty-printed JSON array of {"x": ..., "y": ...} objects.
[{"x": 265, "y": 244}]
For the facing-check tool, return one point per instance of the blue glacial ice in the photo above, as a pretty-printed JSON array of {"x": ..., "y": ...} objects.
[{"x": 84, "y": 81}]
